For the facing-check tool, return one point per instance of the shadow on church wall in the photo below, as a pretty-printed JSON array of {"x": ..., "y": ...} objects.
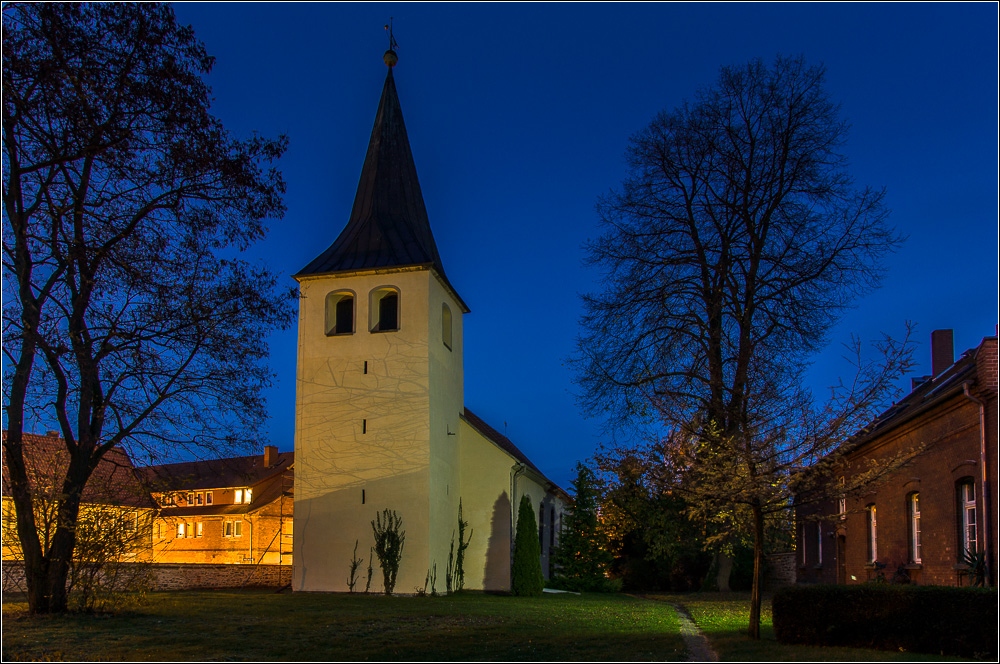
[{"x": 496, "y": 573}]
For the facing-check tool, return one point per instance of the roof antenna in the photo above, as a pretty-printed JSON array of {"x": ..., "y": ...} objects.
[{"x": 390, "y": 56}]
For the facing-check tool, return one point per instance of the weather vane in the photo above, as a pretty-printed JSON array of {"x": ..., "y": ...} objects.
[{"x": 392, "y": 40}]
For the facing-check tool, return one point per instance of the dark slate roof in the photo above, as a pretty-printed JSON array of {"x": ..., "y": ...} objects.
[
  {"x": 113, "y": 482},
  {"x": 504, "y": 443},
  {"x": 388, "y": 226},
  {"x": 214, "y": 473}
]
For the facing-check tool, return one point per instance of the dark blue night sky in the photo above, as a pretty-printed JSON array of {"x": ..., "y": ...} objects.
[{"x": 519, "y": 115}]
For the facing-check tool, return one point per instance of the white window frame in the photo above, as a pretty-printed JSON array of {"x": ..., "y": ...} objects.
[
  {"x": 227, "y": 529},
  {"x": 238, "y": 496},
  {"x": 247, "y": 496},
  {"x": 238, "y": 528},
  {"x": 871, "y": 516},
  {"x": 199, "y": 529},
  {"x": 970, "y": 532},
  {"x": 914, "y": 509},
  {"x": 208, "y": 497},
  {"x": 181, "y": 530}
]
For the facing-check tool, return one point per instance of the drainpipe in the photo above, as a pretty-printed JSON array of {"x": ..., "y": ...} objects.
[{"x": 984, "y": 474}]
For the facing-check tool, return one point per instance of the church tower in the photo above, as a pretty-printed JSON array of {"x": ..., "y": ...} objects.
[{"x": 379, "y": 386}]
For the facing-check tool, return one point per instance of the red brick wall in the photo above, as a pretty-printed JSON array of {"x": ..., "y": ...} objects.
[
  {"x": 951, "y": 435},
  {"x": 260, "y": 537}
]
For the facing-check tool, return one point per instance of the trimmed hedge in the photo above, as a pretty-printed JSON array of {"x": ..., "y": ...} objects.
[{"x": 931, "y": 619}]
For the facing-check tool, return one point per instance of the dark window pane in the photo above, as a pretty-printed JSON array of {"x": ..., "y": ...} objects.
[
  {"x": 345, "y": 315},
  {"x": 388, "y": 312}
]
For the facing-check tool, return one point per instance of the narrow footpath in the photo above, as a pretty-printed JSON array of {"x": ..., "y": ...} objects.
[{"x": 695, "y": 642}]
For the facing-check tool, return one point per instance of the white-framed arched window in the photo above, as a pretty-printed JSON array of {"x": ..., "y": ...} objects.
[
  {"x": 913, "y": 514},
  {"x": 383, "y": 309},
  {"x": 339, "y": 318},
  {"x": 446, "y": 334},
  {"x": 968, "y": 534},
  {"x": 871, "y": 528}
]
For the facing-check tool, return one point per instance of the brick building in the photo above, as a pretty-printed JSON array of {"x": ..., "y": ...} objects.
[
  {"x": 235, "y": 510},
  {"x": 916, "y": 523}
]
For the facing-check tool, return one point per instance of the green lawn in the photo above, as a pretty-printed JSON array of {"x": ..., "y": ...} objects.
[
  {"x": 723, "y": 618},
  {"x": 262, "y": 625}
]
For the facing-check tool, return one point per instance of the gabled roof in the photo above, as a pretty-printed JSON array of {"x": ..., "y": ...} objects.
[
  {"x": 113, "y": 482},
  {"x": 214, "y": 473},
  {"x": 924, "y": 396},
  {"x": 265, "y": 493},
  {"x": 504, "y": 443},
  {"x": 388, "y": 226}
]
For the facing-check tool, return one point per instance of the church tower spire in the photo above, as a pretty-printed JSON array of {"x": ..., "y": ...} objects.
[{"x": 388, "y": 226}]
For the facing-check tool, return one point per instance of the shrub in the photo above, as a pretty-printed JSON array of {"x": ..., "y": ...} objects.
[
  {"x": 932, "y": 619},
  {"x": 526, "y": 572},
  {"x": 582, "y": 559},
  {"x": 455, "y": 575},
  {"x": 389, "y": 540}
]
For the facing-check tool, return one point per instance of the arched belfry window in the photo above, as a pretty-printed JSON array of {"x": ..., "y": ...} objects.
[
  {"x": 446, "y": 325},
  {"x": 384, "y": 309},
  {"x": 339, "y": 313}
]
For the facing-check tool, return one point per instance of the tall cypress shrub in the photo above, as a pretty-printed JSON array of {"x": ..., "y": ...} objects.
[
  {"x": 526, "y": 573},
  {"x": 582, "y": 559}
]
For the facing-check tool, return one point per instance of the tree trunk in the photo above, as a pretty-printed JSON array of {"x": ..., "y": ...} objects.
[
  {"x": 753, "y": 630},
  {"x": 724, "y": 568}
]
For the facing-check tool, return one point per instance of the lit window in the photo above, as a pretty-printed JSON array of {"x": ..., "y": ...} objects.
[
  {"x": 446, "y": 325},
  {"x": 872, "y": 533},
  {"x": 181, "y": 529},
  {"x": 237, "y": 529},
  {"x": 383, "y": 309},
  {"x": 239, "y": 496},
  {"x": 967, "y": 507},
  {"x": 247, "y": 495},
  {"x": 913, "y": 507},
  {"x": 199, "y": 529},
  {"x": 339, "y": 313},
  {"x": 208, "y": 497}
]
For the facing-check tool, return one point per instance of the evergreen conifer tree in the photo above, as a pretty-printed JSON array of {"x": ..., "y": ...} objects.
[
  {"x": 526, "y": 572},
  {"x": 583, "y": 556}
]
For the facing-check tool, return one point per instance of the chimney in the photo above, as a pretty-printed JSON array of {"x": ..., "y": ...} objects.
[
  {"x": 270, "y": 455},
  {"x": 942, "y": 351}
]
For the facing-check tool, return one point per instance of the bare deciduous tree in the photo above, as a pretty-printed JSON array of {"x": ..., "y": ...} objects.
[
  {"x": 130, "y": 319},
  {"x": 734, "y": 244}
]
